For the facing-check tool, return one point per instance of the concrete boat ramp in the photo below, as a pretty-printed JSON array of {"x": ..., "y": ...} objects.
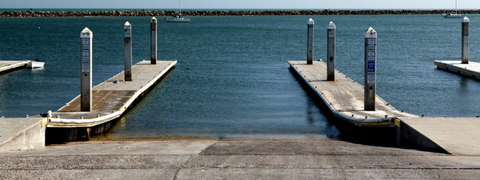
[
  {"x": 456, "y": 136},
  {"x": 22, "y": 133}
]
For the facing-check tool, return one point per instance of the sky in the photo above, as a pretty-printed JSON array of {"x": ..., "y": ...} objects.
[{"x": 242, "y": 4}]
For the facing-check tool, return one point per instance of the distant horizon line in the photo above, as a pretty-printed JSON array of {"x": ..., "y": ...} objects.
[{"x": 317, "y": 9}]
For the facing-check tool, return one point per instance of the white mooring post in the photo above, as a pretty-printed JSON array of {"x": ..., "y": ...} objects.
[
  {"x": 331, "y": 51},
  {"x": 465, "y": 37},
  {"x": 153, "y": 40},
  {"x": 370, "y": 70},
  {"x": 86, "y": 70},
  {"x": 310, "y": 42},
  {"x": 127, "y": 28}
]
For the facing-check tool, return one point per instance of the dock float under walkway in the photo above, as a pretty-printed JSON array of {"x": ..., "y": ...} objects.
[
  {"x": 457, "y": 136},
  {"x": 470, "y": 69},
  {"x": 110, "y": 98},
  {"x": 345, "y": 97}
]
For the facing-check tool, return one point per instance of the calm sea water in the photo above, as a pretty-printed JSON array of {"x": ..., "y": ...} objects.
[{"x": 232, "y": 77}]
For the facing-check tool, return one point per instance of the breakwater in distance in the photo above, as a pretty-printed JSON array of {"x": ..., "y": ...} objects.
[{"x": 223, "y": 13}]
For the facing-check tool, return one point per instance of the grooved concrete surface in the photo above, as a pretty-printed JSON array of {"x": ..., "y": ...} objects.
[
  {"x": 246, "y": 159},
  {"x": 460, "y": 136},
  {"x": 22, "y": 133}
]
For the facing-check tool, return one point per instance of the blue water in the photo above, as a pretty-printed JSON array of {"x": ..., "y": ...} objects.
[{"x": 232, "y": 77}]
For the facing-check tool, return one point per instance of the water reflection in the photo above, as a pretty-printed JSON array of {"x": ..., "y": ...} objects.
[{"x": 310, "y": 112}]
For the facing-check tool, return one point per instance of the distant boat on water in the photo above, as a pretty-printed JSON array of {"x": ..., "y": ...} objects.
[
  {"x": 179, "y": 18},
  {"x": 450, "y": 15}
]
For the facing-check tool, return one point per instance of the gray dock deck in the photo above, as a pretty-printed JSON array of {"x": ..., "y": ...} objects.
[
  {"x": 470, "y": 69},
  {"x": 345, "y": 98},
  {"x": 111, "y": 98},
  {"x": 458, "y": 136},
  {"x": 22, "y": 133},
  {"x": 8, "y": 65}
]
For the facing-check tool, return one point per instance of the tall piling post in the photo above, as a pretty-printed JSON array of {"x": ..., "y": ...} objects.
[
  {"x": 310, "y": 42},
  {"x": 153, "y": 40},
  {"x": 331, "y": 35},
  {"x": 127, "y": 28},
  {"x": 465, "y": 38},
  {"x": 370, "y": 70},
  {"x": 86, "y": 37}
]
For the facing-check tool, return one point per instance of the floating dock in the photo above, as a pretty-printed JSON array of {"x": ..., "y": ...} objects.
[
  {"x": 345, "y": 97},
  {"x": 9, "y": 65},
  {"x": 471, "y": 69},
  {"x": 110, "y": 98}
]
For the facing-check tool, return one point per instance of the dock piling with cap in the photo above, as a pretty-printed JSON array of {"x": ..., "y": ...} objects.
[
  {"x": 331, "y": 30},
  {"x": 153, "y": 40},
  {"x": 370, "y": 69},
  {"x": 465, "y": 38},
  {"x": 86, "y": 37},
  {"x": 127, "y": 28},
  {"x": 310, "y": 41}
]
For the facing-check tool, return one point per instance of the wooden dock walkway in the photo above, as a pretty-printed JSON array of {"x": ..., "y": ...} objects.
[
  {"x": 345, "y": 97},
  {"x": 111, "y": 98},
  {"x": 10, "y": 65},
  {"x": 471, "y": 69}
]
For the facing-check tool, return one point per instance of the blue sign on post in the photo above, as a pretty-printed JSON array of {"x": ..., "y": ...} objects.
[
  {"x": 371, "y": 67},
  {"x": 371, "y": 54}
]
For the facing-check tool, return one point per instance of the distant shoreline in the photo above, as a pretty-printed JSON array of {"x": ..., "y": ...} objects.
[{"x": 223, "y": 13}]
